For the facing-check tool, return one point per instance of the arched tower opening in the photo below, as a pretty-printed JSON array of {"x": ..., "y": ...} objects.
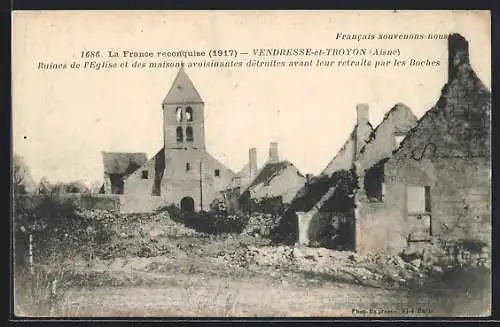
[
  {"x": 183, "y": 112},
  {"x": 189, "y": 114},
  {"x": 179, "y": 134},
  {"x": 189, "y": 134}
]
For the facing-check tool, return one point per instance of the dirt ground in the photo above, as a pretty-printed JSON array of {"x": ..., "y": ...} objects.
[
  {"x": 197, "y": 295},
  {"x": 217, "y": 297},
  {"x": 153, "y": 266},
  {"x": 164, "y": 288}
]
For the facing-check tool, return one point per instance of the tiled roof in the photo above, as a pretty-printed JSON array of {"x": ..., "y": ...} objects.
[{"x": 268, "y": 172}]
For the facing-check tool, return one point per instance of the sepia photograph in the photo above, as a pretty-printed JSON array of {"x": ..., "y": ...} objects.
[{"x": 251, "y": 164}]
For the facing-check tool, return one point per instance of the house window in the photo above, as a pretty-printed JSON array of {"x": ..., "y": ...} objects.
[
  {"x": 189, "y": 114},
  {"x": 419, "y": 212},
  {"x": 179, "y": 133},
  {"x": 178, "y": 113},
  {"x": 189, "y": 134},
  {"x": 144, "y": 174},
  {"x": 217, "y": 173},
  {"x": 188, "y": 166},
  {"x": 374, "y": 183}
]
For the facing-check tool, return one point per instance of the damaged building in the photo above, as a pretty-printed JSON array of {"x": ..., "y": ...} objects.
[
  {"x": 416, "y": 180},
  {"x": 276, "y": 178},
  {"x": 346, "y": 156},
  {"x": 242, "y": 178},
  {"x": 277, "y": 181},
  {"x": 437, "y": 183},
  {"x": 334, "y": 190},
  {"x": 117, "y": 168},
  {"x": 183, "y": 172}
]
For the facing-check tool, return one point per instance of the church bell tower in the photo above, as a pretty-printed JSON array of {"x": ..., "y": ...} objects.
[{"x": 183, "y": 115}]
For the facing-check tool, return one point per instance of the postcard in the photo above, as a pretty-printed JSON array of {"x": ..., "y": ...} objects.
[{"x": 251, "y": 164}]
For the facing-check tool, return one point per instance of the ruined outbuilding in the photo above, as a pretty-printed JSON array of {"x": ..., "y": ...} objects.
[
  {"x": 437, "y": 183},
  {"x": 117, "y": 167},
  {"x": 417, "y": 180},
  {"x": 276, "y": 178},
  {"x": 333, "y": 191},
  {"x": 242, "y": 178}
]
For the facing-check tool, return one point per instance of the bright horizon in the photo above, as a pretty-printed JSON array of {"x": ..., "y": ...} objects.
[{"x": 62, "y": 120}]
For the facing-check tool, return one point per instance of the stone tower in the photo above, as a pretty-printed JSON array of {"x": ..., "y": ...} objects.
[
  {"x": 183, "y": 173},
  {"x": 183, "y": 116}
]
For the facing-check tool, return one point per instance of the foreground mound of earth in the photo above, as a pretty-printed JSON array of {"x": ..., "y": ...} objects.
[{"x": 152, "y": 265}]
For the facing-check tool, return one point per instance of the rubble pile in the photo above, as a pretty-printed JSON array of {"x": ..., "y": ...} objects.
[
  {"x": 129, "y": 225},
  {"x": 392, "y": 270},
  {"x": 156, "y": 235},
  {"x": 260, "y": 224},
  {"x": 160, "y": 224},
  {"x": 410, "y": 269},
  {"x": 138, "y": 234},
  {"x": 237, "y": 258},
  {"x": 280, "y": 256},
  {"x": 439, "y": 256}
]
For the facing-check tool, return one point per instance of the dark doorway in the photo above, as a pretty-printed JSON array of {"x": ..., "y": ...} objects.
[
  {"x": 116, "y": 183},
  {"x": 187, "y": 204}
]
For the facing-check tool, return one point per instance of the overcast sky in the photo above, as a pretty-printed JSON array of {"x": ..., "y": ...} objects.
[{"x": 63, "y": 119}]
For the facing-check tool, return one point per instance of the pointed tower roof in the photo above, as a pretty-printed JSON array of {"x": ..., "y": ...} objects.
[{"x": 182, "y": 90}]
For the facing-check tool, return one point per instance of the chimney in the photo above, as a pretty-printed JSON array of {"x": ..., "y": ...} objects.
[
  {"x": 362, "y": 113},
  {"x": 273, "y": 152},
  {"x": 252, "y": 162},
  {"x": 458, "y": 54}
]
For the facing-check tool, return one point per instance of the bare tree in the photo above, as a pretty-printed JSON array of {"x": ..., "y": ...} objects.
[{"x": 21, "y": 176}]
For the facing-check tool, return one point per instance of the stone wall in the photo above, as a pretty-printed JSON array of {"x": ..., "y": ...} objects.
[
  {"x": 463, "y": 199},
  {"x": 398, "y": 120},
  {"x": 140, "y": 204},
  {"x": 179, "y": 183},
  {"x": 138, "y": 184},
  {"x": 110, "y": 202},
  {"x": 459, "y": 199}
]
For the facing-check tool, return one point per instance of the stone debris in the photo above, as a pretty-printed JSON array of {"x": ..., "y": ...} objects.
[
  {"x": 138, "y": 235},
  {"x": 376, "y": 270},
  {"x": 417, "y": 263},
  {"x": 260, "y": 225},
  {"x": 150, "y": 237}
]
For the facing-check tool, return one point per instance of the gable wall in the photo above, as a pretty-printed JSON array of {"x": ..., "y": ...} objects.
[
  {"x": 343, "y": 159},
  {"x": 399, "y": 120},
  {"x": 179, "y": 183}
]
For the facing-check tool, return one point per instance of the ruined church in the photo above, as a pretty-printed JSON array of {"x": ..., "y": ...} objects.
[{"x": 182, "y": 173}]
